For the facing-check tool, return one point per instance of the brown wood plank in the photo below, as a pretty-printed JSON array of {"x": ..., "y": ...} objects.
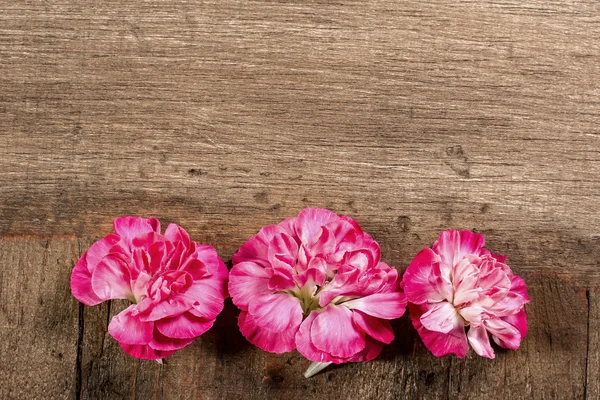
[
  {"x": 227, "y": 116},
  {"x": 38, "y": 345},
  {"x": 593, "y": 351}
]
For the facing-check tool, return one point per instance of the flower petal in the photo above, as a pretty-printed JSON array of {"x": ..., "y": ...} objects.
[
  {"x": 503, "y": 333},
  {"x": 416, "y": 279},
  {"x": 441, "y": 317},
  {"x": 175, "y": 233},
  {"x": 256, "y": 249},
  {"x": 81, "y": 283},
  {"x": 247, "y": 280},
  {"x": 100, "y": 249},
  {"x": 285, "y": 246},
  {"x": 379, "y": 329},
  {"x": 111, "y": 279},
  {"x": 206, "y": 299},
  {"x": 439, "y": 343},
  {"x": 126, "y": 327},
  {"x": 276, "y": 312},
  {"x": 130, "y": 227},
  {"x": 519, "y": 321},
  {"x": 389, "y": 305},
  {"x": 211, "y": 260},
  {"x": 308, "y": 349},
  {"x": 453, "y": 245},
  {"x": 517, "y": 285},
  {"x": 480, "y": 341},
  {"x": 310, "y": 222},
  {"x": 184, "y": 326},
  {"x": 167, "y": 308},
  {"x": 333, "y": 332},
  {"x": 274, "y": 342},
  {"x": 144, "y": 352},
  {"x": 164, "y": 343},
  {"x": 372, "y": 349}
]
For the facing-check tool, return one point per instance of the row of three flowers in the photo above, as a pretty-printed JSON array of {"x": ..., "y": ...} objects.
[{"x": 313, "y": 282}]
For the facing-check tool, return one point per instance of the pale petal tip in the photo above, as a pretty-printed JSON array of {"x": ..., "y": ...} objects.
[{"x": 315, "y": 368}]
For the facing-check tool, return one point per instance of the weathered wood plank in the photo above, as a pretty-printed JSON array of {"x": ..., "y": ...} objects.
[
  {"x": 225, "y": 116},
  {"x": 38, "y": 346},
  {"x": 593, "y": 343}
]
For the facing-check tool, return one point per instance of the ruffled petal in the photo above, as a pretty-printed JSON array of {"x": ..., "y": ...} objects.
[
  {"x": 517, "y": 285},
  {"x": 389, "y": 305},
  {"x": 126, "y": 327},
  {"x": 333, "y": 332},
  {"x": 130, "y": 227},
  {"x": 111, "y": 279},
  {"x": 453, "y": 245},
  {"x": 284, "y": 246},
  {"x": 441, "y": 317},
  {"x": 282, "y": 279},
  {"x": 379, "y": 329},
  {"x": 503, "y": 333},
  {"x": 81, "y": 283},
  {"x": 372, "y": 349},
  {"x": 416, "y": 279},
  {"x": 310, "y": 222},
  {"x": 175, "y": 233},
  {"x": 164, "y": 343},
  {"x": 247, "y": 280},
  {"x": 274, "y": 342},
  {"x": 184, "y": 326},
  {"x": 100, "y": 249},
  {"x": 308, "y": 349},
  {"x": 256, "y": 249},
  {"x": 166, "y": 309},
  {"x": 276, "y": 312},
  {"x": 206, "y": 298},
  {"x": 144, "y": 352},
  {"x": 519, "y": 321},
  {"x": 440, "y": 344},
  {"x": 480, "y": 341},
  {"x": 211, "y": 260}
]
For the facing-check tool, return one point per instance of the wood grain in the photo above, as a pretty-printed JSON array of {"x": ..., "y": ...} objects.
[
  {"x": 38, "y": 350},
  {"x": 226, "y": 116}
]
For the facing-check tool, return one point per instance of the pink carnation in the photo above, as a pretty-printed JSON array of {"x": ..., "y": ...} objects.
[
  {"x": 315, "y": 283},
  {"x": 177, "y": 287},
  {"x": 458, "y": 283}
]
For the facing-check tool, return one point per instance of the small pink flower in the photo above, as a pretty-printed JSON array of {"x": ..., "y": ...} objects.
[
  {"x": 177, "y": 287},
  {"x": 315, "y": 283},
  {"x": 458, "y": 283}
]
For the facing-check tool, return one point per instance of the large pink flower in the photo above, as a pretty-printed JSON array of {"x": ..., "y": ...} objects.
[
  {"x": 177, "y": 287},
  {"x": 315, "y": 283},
  {"x": 458, "y": 283}
]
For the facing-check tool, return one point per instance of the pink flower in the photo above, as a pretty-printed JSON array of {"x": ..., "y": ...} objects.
[
  {"x": 315, "y": 283},
  {"x": 458, "y": 283},
  {"x": 177, "y": 287}
]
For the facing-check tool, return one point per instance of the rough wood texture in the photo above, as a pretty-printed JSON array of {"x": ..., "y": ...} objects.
[{"x": 225, "y": 116}]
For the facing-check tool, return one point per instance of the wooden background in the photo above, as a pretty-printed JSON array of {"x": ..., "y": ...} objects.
[{"x": 223, "y": 116}]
